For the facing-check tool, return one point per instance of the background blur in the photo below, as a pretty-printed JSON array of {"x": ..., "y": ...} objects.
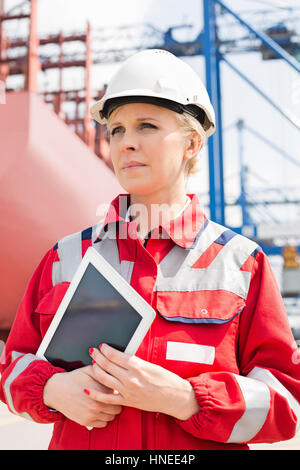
[{"x": 56, "y": 57}]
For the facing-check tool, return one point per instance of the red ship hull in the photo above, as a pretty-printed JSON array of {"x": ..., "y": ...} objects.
[{"x": 52, "y": 184}]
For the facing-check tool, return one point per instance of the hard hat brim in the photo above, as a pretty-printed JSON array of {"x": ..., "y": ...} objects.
[{"x": 99, "y": 105}]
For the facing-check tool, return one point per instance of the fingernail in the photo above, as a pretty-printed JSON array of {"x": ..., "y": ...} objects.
[
  {"x": 100, "y": 346},
  {"x": 93, "y": 362},
  {"x": 86, "y": 391},
  {"x": 91, "y": 350}
]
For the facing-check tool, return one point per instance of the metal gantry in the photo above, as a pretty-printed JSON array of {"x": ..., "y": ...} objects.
[
  {"x": 213, "y": 56},
  {"x": 23, "y": 56}
]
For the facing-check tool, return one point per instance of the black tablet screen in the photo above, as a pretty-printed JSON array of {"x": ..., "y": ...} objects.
[{"x": 96, "y": 314}]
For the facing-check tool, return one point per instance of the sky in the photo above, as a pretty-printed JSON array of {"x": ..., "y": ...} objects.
[{"x": 267, "y": 168}]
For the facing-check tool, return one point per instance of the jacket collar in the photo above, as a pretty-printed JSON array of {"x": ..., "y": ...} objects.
[{"x": 184, "y": 230}]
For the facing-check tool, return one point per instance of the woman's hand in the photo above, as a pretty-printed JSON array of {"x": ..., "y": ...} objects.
[
  {"x": 141, "y": 384},
  {"x": 64, "y": 393}
]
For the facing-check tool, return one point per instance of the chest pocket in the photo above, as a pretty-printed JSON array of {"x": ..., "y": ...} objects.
[
  {"x": 197, "y": 331},
  {"x": 49, "y": 304}
]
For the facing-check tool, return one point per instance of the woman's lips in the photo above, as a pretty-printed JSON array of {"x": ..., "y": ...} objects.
[{"x": 134, "y": 166}]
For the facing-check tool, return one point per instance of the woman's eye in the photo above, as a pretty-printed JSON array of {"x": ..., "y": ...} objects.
[
  {"x": 147, "y": 125},
  {"x": 143, "y": 125},
  {"x": 116, "y": 130}
]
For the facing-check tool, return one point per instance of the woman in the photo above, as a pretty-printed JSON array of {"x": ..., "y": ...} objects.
[{"x": 217, "y": 369}]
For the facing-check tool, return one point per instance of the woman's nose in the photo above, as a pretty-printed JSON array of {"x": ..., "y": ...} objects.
[
  {"x": 128, "y": 148},
  {"x": 129, "y": 143}
]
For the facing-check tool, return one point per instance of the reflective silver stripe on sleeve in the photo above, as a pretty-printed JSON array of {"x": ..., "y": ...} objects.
[
  {"x": 56, "y": 273},
  {"x": 268, "y": 378},
  {"x": 70, "y": 254},
  {"x": 15, "y": 355},
  {"x": 257, "y": 404},
  {"x": 20, "y": 366}
]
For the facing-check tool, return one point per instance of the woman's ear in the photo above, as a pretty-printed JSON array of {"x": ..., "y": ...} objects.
[{"x": 194, "y": 141}]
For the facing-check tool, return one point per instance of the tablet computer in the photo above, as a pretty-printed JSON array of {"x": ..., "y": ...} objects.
[{"x": 98, "y": 307}]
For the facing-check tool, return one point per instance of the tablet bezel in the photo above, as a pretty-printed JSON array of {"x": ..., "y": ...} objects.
[{"x": 146, "y": 312}]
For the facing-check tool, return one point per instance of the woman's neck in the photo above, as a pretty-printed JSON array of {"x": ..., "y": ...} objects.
[{"x": 151, "y": 211}]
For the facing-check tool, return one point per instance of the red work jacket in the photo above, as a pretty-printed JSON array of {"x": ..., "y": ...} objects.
[{"x": 220, "y": 323}]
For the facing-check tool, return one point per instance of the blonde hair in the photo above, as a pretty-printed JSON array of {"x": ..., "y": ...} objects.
[{"x": 190, "y": 124}]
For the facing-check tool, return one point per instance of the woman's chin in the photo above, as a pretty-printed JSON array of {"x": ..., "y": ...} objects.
[{"x": 138, "y": 188}]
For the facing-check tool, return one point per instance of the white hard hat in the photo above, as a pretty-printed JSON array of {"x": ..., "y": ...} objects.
[{"x": 158, "y": 77}]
